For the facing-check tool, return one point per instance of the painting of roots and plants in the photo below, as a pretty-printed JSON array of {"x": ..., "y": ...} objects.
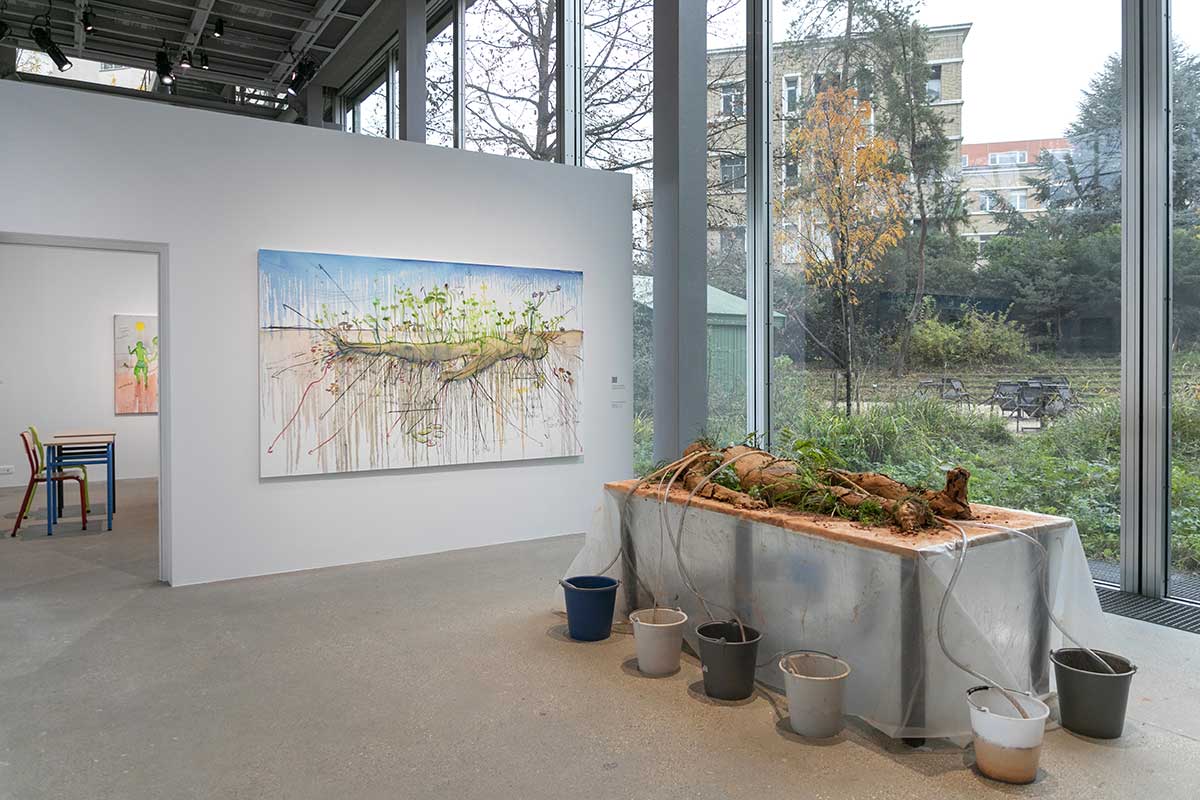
[{"x": 380, "y": 363}]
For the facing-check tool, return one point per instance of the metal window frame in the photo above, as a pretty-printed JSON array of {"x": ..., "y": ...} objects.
[
  {"x": 460, "y": 78},
  {"x": 759, "y": 343},
  {"x": 570, "y": 112},
  {"x": 1145, "y": 286}
]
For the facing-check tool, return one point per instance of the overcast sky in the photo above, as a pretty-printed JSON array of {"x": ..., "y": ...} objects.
[{"x": 1026, "y": 62}]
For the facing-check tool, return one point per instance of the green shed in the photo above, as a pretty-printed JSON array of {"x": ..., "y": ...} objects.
[{"x": 726, "y": 330}]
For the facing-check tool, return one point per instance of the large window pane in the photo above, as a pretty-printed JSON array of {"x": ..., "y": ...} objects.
[
  {"x": 726, "y": 172},
  {"x": 439, "y": 96},
  {"x": 618, "y": 89},
  {"x": 368, "y": 114},
  {"x": 1184, "y": 551},
  {"x": 947, "y": 232},
  {"x": 511, "y": 57}
]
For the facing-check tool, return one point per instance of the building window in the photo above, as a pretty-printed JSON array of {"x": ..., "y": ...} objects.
[
  {"x": 733, "y": 99},
  {"x": 733, "y": 239},
  {"x": 821, "y": 82},
  {"x": 988, "y": 201},
  {"x": 791, "y": 94},
  {"x": 933, "y": 84},
  {"x": 1019, "y": 199},
  {"x": 791, "y": 171},
  {"x": 733, "y": 173},
  {"x": 1008, "y": 158},
  {"x": 966, "y": 161}
]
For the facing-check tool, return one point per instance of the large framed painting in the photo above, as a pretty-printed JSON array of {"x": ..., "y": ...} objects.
[
  {"x": 383, "y": 363},
  {"x": 135, "y": 363}
]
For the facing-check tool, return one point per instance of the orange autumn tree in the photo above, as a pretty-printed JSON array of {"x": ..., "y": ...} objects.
[{"x": 850, "y": 203}]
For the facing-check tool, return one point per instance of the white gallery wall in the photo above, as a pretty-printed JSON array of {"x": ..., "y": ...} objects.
[
  {"x": 56, "y": 373},
  {"x": 216, "y": 188}
]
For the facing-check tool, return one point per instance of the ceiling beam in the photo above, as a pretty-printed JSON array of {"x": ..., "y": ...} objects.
[
  {"x": 197, "y": 24},
  {"x": 79, "y": 24},
  {"x": 350, "y": 33},
  {"x": 300, "y": 44}
]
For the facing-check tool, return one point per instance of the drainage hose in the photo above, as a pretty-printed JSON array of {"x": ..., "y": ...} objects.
[
  {"x": 677, "y": 540},
  {"x": 958, "y": 566},
  {"x": 1045, "y": 565}
]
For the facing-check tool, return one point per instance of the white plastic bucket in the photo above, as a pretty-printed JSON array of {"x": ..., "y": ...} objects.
[
  {"x": 816, "y": 692},
  {"x": 1007, "y": 746},
  {"x": 658, "y": 636}
]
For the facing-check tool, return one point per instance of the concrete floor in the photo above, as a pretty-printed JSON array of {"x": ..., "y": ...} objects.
[{"x": 444, "y": 676}]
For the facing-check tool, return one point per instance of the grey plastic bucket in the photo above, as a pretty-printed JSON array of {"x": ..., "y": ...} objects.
[
  {"x": 1091, "y": 702},
  {"x": 658, "y": 637},
  {"x": 816, "y": 692},
  {"x": 726, "y": 660}
]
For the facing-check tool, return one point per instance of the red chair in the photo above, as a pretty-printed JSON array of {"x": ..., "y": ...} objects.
[{"x": 37, "y": 474}]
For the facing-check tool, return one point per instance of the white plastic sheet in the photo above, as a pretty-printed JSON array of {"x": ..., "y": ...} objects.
[{"x": 874, "y": 608}]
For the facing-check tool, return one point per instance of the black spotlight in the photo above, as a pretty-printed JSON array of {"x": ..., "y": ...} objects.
[
  {"x": 89, "y": 20},
  {"x": 219, "y": 28},
  {"x": 185, "y": 60},
  {"x": 301, "y": 75},
  {"x": 162, "y": 64},
  {"x": 41, "y": 35},
  {"x": 203, "y": 59},
  {"x": 5, "y": 30}
]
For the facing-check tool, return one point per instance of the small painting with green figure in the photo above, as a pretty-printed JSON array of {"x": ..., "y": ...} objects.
[{"x": 135, "y": 363}]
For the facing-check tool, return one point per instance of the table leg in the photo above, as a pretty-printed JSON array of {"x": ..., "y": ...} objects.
[
  {"x": 112, "y": 485},
  {"x": 51, "y": 501},
  {"x": 912, "y": 650}
]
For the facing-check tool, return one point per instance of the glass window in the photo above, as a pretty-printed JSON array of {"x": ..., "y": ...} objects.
[
  {"x": 728, "y": 311},
  {"x": 1183, "y": 573},
  {"x": 733, "y": 99},
  {"x": 1020, "y": 310},
  {"x": 933, "y": 86},
  {"x": 618, "y": 89},
  {"x": 733, "y": 173},
  {"x": 511, "y": 88},
  {"x": 439, "y": 87},
  {"x": 791, "y": 94},
  {"x": 371, "y": 112},
  {"x": 1007, "y": 158}
]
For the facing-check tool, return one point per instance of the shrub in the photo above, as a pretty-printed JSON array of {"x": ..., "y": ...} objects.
[{"x": 977, "y": 338}]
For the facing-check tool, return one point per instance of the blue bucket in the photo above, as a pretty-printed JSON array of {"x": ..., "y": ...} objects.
[{"x": 590, "y": 603}]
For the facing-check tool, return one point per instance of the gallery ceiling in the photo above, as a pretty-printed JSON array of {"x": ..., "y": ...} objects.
[{"x": 260, "y": 41}]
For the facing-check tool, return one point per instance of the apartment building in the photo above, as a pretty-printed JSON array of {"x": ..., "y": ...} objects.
[
  {"x": 800, "y": 69},
  {"x": 997, "y": 175}
]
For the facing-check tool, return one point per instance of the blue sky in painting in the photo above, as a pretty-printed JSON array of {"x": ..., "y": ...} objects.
[{"x": 305, "y": 281}]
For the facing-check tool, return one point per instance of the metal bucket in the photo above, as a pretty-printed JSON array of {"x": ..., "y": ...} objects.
[
  {"x": 658, "y": 637},
  {"x": 816, "y": 692}
]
